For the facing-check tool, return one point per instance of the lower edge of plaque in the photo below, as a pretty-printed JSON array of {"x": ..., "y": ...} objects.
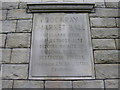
[{"x": 62, "y": 78}]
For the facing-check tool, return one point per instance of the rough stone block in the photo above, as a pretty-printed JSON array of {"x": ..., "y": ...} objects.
[
  {"x": 23, "y": 5},
  {"x": 72, "y": 0},
  {"x": 28, "y": 84},
  {"x": 10, "y": 5},
  {"x": 7, "y": 83},
  {"x": 112, "y": 0},
  {"x": 88, "y": 84},
  {"x": 20, "y": 56},
  {"x": 18, "y": 40},
  {"x": 24, "y": 26},
  {"x": 3, "y": 14},
  {"x": 118, "y": 21},
  {"x": 15, "y": 71},
  {"x": 103, "y": 22},
  {"x": 18, "y": 14},
  {"x": 118, "y": 43},
  {"x": 104, "y": 44},
  {"x": 111, "y": 83},
  {"x": 105, "y": 12},
  {"x": 58, "y": 84},
  {"x": 112, "y": 4},
  {"x": 38, "y": 1},
  {"x": 98, "y": 3},
  {"x": 2, "y": 40},
  {"x": 106, "y": 56},
  {"x": 6, "y": 54},
  {"x": 106, "y": 71},
  {"x": 8, "y": 26},
  {"x": 0, "y": 55},
  {"x": 0, "y": 14},
  {"x": 105, "y": 33},
  {"x": 52, "y": 0}
]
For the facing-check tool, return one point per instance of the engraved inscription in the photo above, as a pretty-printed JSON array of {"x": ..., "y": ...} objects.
[{"x": 61, "y": 45}]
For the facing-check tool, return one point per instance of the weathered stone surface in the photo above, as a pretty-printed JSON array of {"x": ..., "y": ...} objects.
[
  {"x": 105, "y": 33},
  {"x": 51, "y": 0},
  {"x": 3, "y": 14},
  {"x": 58, "y": 84},
  {"x": 2, "y": 40},
  {"x": 6, "y": 53},
  {"x": 0, "y": 14},
  {"x": 15, "y": 71},
  {"x": 98, "y": 3},
  {"x": 28, "y": 84},
  {"x": 118, "y": 43},
  {"x": 112, "y": 4},
  {"x": 10, "y": 5},
  {"x": 8, "y": 26},
  {"x": 18, "y": 14},
  {"x": 24, "y": 26},
  {"x": 7, "y": 83},
  {"x": 106, "y": 56},
  {"x": 88, "y": 84},
  {"x": 20, "y": 56},
  {"x": 38, "y": 1},
  {"x": 104, "y": 44},
  {"x": 0, "y": 55},
  {"x": 72, "y": 0},
  {"x": 118, "y": 21},
  {"x": 18, "y": 40},
  {"x": 104, "y": 71},
  {"x": 0, "y": 82},
  {"x": 111, "y": 83},
  {"x": 103, "y": 22},
  {"x": 101, "y": 12},
  {"x": 23, "y": 5}
]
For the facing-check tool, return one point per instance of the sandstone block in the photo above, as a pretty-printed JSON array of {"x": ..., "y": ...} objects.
[
  {"x": 103, "y": 22},
  {"x": 104, "y": 71},
  {"x": 58, "y": 84},
  {"x": 8, "y": 26},
  {"x": 105, "y": 12},
  {"x": 18, "y": 40},
  {"x": 7, "y": 83},
  {"x": 10, "y": 5},
  {"x": 2, "y": 40},
  {"x": 6, "y": 54},
  {"x": 106, "y": 56},
  {"x": 88, "y": 84},
  {"x": 118, "y": 43},
  {"x": 20, "y": 56},
  {"x": 24, "y": 26},
  {"x": 3, "y": 14},
  {"x": 105, "y": 33},
  {"x": 111, "y": 83},
  {"x": 18, "y": 14},
  {"x": 104, "y": 44},
  {"x": 112, "y": 4},
  {"x": 15, "y": 71},
  {"x": 28, "y": 84}
]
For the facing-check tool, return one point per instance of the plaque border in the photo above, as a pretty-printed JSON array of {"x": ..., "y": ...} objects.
[{"x": 65, "y": 77}]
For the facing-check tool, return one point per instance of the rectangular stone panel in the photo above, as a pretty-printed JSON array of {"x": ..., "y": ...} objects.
[{"x": 61, "y": 47}]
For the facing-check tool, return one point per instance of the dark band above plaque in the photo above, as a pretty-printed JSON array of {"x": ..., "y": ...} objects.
[{"x": 61, "y": 46}]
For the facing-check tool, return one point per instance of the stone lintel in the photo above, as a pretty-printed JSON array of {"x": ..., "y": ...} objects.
[{"x": 60, "y": 7}]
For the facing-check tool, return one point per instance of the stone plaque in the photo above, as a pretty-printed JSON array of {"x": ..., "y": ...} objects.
[{"x": 61, "y": 46}]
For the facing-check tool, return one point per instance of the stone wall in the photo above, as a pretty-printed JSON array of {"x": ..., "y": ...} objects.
[{"x": 16, "y": 42}]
